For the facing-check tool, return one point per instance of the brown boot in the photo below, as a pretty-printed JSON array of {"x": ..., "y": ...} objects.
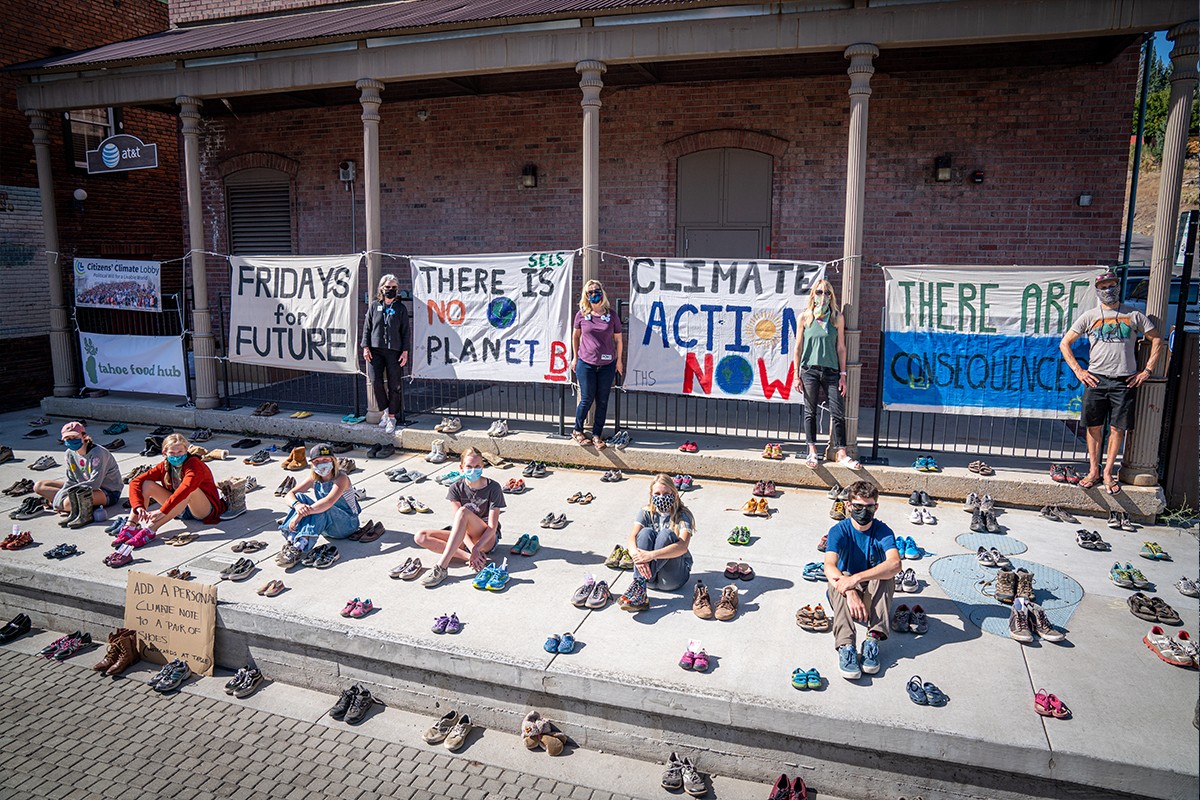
[
  {"x": 113, "y": 652},
  {"x": 127, "y": 647},
  {"x": 297, "y": 460}
]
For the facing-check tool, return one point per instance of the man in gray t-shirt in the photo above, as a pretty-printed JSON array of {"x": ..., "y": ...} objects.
[{"x": 1111, "y": 379}]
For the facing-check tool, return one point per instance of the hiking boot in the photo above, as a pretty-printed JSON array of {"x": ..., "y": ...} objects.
[
  {"x": 1040, "y": 624},
  {"x": 127, "y": 654},
  {"x": 1024, "y": 584},
  {"x": 728, "y": 604},
  {"x": 701, "y": 604},
  {"x": 838, "y": 511},
  {"x": 1006, "y": 585},
  {"x": 848, "y": 662},
  {"x": 113, "y": 653},
  {"x": 1018, "y": 623},
  {"x": 635, "y": 598},
  {"x": 81, "y": 507}
]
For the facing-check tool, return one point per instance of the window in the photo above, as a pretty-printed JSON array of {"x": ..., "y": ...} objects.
[
  {"x": 85, "y": 128},
  {"x": 259, "y": 202}
]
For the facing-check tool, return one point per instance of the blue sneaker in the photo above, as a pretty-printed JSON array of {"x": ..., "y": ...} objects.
[
  {"x": 870, "y": 656},
  {"x": 901, "y": 545},
  {"x": 499, "y": 578},
  {"x": 485, "y": 575},
  {"x": 848, "y": 663}
]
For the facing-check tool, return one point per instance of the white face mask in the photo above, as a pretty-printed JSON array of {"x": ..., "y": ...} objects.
[
  {"x": 664, "y": 503},
  {"x": 324, "y": 470}
]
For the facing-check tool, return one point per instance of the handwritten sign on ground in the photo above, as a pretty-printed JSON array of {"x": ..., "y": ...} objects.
[
  {"x": 496, "y": 317},
  {"x": 716, "y": 328},
  {"x": 983, "y": 340},
  {"x": 173, "y": 619},
  {"x": 294, "y": 311}
]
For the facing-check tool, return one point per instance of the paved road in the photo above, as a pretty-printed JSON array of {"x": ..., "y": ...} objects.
[{"x": 66, "y": 733}]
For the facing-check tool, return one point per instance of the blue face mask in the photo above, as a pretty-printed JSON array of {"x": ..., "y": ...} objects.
[
  {"x": 595, "y": 297},
  {"x": 473, "y": 474},
  {"x": 73, "y": 444},
  {"x": 324, "y": 469},
  {"x": 177, "y": 461}
]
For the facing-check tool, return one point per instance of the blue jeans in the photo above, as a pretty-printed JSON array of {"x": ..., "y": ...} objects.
[
  {"x": 595, "y": 383},
  {"x": 666, "y": 574},
  {"x": 333, "y": 523}
]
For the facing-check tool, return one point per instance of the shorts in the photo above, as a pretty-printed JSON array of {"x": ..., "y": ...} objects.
[
  {"x": 495, "y": 544},
  {"x": 111, "y": 496},
  {"x": 1110, "y": 400}
]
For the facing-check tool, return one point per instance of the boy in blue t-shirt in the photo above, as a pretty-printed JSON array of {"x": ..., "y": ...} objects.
[{"x": 860, "y": 561}]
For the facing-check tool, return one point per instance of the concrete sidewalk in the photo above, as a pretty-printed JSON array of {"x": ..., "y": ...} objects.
[{"x": 622, "y": 691}]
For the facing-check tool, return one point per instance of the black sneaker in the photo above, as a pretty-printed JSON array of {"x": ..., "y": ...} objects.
[
  {"x": 201, "y": 435},
  {"x": 387, "y": 451},
  {"x": 237, "y": 678},
  {"x": 926, "y": 500},
  {"x": 373, "y": 450},
  {"x": 162, "y": 430},
  {"x": 914, "y": 499},
  {"x": 249, "y": 684},
  {"x": 327, "y": 558},
  {"x": 73, "y": 646},
  {"x": 312, "y": 556},
  {"x": 360, "y": 704},
  {"x": 343, "y": 702},
  {"x": 292, "y": 444},
  {"x": 258, "y": 459},
  {"x": 341, "y": 447}
]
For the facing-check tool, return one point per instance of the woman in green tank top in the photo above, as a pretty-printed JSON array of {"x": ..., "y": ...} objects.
[{"x": 821, "y": 364}]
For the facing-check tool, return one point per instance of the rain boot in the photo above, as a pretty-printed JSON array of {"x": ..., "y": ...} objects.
[
  {"x": 81, "y": 503},
  {"x": 74, "y": 515}
]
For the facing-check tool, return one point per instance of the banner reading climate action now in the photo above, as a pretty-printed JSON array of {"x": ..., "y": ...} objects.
[{"x": 983, "y": 340}]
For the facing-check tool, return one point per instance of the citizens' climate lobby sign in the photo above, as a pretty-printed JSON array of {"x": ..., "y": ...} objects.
[
  {"x": 294, "y": 311},
  {"x": 983, "y": 340}
]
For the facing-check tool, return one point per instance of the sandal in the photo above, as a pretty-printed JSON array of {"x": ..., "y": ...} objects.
[
  {"x": 1113, "y": 488},
  {"x": 821, "y": 623},
  {"x": 1048, "y": 705},
  {"x": 846, "y": 461},
  {"x": 599, "y": 443},
  {"x": 933, "y": 695},
  {"x": 916, "y": 690},
  {"x": 575, "y": 498},
  {"x": 581, "y": 438},
  {"x": 744, "y": 572},
  {"x": 812, "y": 461},
  {"x": 731, "y": 570},
  {"x": 1166, "y": 615},
  {"x": 1087, "y": 482},
  {"x": 585, "y": 499},
  {"x": 982, "y": 468}
]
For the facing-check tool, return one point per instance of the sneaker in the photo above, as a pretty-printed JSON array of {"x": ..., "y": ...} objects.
[
  {"x": 1040, "y": 624},
  {"x": 499, "y": 578},
  {"x": 848, "y": 663},
  {"x": 672, "y": 777},
  {"x": 838, "y": 511},
  {"x": 499, "y": 428},
  {"x": 362, "y": 608},
  {"x": 483, "y": 576},
  {"x": 342, "y": 704},
  {"x": 900, "y": 618},
  {"x": 614, "y": 559},
  {"x": 237, "y": 678},
  {"x": 693, "y": 781},
  {"x": 389, "y": 427},
  {"x": 435, "y": 576},
  {"x": 360, "y": 704},
  {"x": 927, "y": 518},
  {"x": 915, "y": 517},
  {"x": 1188, "y": 587},
  {"x": 580, "y": 597},
  {"x": 459, "y": 733},
  {"x": 600, "y": 596},
  {"x": 410, "y": 570},
  {"x": 635, "y": 598},
  {"x": 1166, "y": 647},
  {"x": 971, "y": 503},
  {"x": 626, "y": 561},
  {"x": 984, "y": 557},
  {"x": 290, "y": 556},
  {"x": 175, "y": 678},
  {"x": 917, "y": 621},
  {"x": 258, "y": 459},
  {"x": 909, "y": 583},
  {"x": 249, "y": 683},
  {"x": 870, "y": 655},
  {"x": 438, "y": 731},
  {"x": 452, "y": 425},
  {"x": 349, "y": 607},
  {"x": 1018, "y": 623},
  {"x": 977, "y": 523}
]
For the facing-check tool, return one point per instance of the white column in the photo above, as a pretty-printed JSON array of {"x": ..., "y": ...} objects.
[
  {"x": 369, "y": 99},
  {"x": 591, "y": 82},
  {"x": 62, "y": 351},
  {"x": 860, "y": 70},
  {"x": 203, "y": 351},
  {"x": 1140, "y": 465}
]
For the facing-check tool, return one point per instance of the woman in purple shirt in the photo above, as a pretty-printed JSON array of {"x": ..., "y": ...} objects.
[{"x": 596, "y": 347}]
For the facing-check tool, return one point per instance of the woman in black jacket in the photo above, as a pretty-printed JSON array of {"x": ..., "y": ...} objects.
[{"x": 385, "y": 338}]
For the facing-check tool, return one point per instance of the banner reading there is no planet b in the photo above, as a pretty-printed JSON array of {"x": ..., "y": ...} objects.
[{"x": 983, "y": 340}]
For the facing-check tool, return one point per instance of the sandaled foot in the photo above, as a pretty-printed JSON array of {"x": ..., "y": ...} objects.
[
  {"x": 1088, "y": 481},
  {"x": 812, "y": 461},
  {"x": 598, "y": 442}
]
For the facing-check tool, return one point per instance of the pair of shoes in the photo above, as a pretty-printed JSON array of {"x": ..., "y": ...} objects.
[
  {"x": 447, "y": 624},
  {"x": 498, "y": 428},
  {"x": 1181, "y": 652},
  {"x": 689, "y": 447},
  {"x": 268, "y": 409},
  {"x": 322, "y": 557},
  {"x": 286, "y": 486},
  {"x": 491, "y": 577},
  {"x": 289, "y": 556},
  {"x": 297, "y": 458},
  {"x": 682, "y": 774},
  {"x": 258, "y": 459},
  {"x": 813, "y": 571},
  {"x": 449, "y": 425},
  {"x": 612, "y": 476},
  {"x": 36, "y": 433},
  {"x": 526, "y": 545},
  {"x": 1119, "y": 521},
  {"x": 991, "y": 557},
  {"x": 1152, "y": 551},
  {"x": 201, "y": 434},
  {"x": 1127, "y": 577},
  {"x": 740, "y": 535},
  {"x": 116, "y": 444},
  {"x": 6, "y": 454},
  {"x": 683, "y": 483},
  {"x": 122, "y": 653},
  {"x": 16, "y": 541},
  {"x": 814, "y": 619},
  {"x": 436, "y": 575},
  {"x": 447, "y": 478},
  {"x": 591, "y": 594},
  {"x": 244, "y": 682},
  {"x": 581, "y": 498},
  {"x": 272, "y": 588},
  {"x": 63, "y": 648},
  {"x": 1152, "y": 609},
  {"x": 16, "y": 627},
  {"x": 559, "y": 644},
  {"x": 908, "y": 549},
  {"x": 635, "y": 597},
  {"x": 516, "y": 486},
  {"x": 437, "y": 452},
  {"x": 984, "y": 521},
  {"x": 1090, "y": 540},
  {"x": 402, "y": 475},
  {"x": 410, "y": 569},
  {"x": 738, "y": 570},
  {"x": 410, "y": 504},
  {"x": 62, "y": 551},
  {"x": 980, "y": 468},
  {"x": 346, "y": 465},
  {"x": 240, "y": 570},
  {"x": 756, "y": 507},
  {"x": 534, "y": 469},
  {"x": 1048, "y": 705},
  {"x": 727, "y": 604},
  {"x": 452, "y": 729},
  {"x": 171, "y": 677},
  {"x": 1010, "y": 585},
  {"x": 906, "y": 581},
  {"x": 245, "y": 444},
  {"x": 1057, "y": 514},
  {"x": 353, "y": 704},
  {"x": 554, "y": 521},
  {"x": 764, "y": 489},
  {"x": 920, "y": 516},
  {"x": 926, "y": 464},
  {"x": 183, "y": 575},
  {"x": 619, "y": 559},
  {"x": 1065, "y": 473},
  {"x": 773, "y": 451},
  {"x": 357, "y": 609},
  {"x": 909, "y": 620},
  {"x": 386, "y": 450},
  {"x": 696, "y": 660},
  {"x": 117, "y": 428},
  {"x": 925, "y": 693},
  {"x": 795, "y": 788},
  {"x": 19, "y": 487},
  {"x": 619, "y": 440}
]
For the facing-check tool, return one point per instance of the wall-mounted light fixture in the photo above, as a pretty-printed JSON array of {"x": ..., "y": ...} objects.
[
  {"x": 942, "y": 168},
  {"x": 1085, "y": 199},
  {"x": 80, "y": 195},
  {"x": 423, "y": 115},
  {"x": 529, "y": 176}
]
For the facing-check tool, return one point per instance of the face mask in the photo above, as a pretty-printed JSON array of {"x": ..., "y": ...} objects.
[
  {"x": 73, "y": 444},
  {"x": 473, "y": 474},
  {"x": 595, "y": 297},
  {"x": 1110, "y": 295},
  {"x": 324, "y": 470},
  {"x": 663, "y": 502},
  {"x": 862, "y": 516},
  {"x": 177, "y": 461},
  {"x": 389, "y": 293}
]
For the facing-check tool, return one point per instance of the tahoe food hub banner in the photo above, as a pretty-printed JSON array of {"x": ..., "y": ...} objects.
[
  {"x": 983, "y": 340},
  {"x": 496, "y": 317},
  {"x": 297, "y": 312},
  {"x": 716, "y": 328}
]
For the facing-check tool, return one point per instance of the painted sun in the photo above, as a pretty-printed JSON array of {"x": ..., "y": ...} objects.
[{"x": 762, "y": 329}]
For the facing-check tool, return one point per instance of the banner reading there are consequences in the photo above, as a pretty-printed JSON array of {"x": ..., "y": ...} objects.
[
  {"x": 496, "y": 317},
  {"x": 294, "y": 311},
  {"x": 983, "y": 340},
  {"x": 716, "y": 328}
]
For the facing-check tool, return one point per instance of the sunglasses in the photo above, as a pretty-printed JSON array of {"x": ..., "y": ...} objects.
[
  {"x": 819, "y": 292},
  {"x": 864, "y": 505}
]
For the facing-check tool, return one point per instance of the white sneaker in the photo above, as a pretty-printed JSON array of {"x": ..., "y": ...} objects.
[
  {"x": 915, "y": 517},
  {"x": 390, "y": 425},
  {"x": 926, "y": 517},
  {"x": 453, "y": 425},
  {"x": 441, "y": 424},
  {"x": 383, "y": 418},
  {"x": 499, "y": 428},
  {"x": 437, "y": 452}
]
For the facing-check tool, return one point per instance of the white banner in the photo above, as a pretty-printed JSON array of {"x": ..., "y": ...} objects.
[
  {"x": 150, "y": 364},
  {"x": 984, "y": 340},
  {"x": 297, "y": 312},
  {"x": 497, "y": 317},
  {"x": 114, "y": 283},
  {"x": 716, "y": 328}
]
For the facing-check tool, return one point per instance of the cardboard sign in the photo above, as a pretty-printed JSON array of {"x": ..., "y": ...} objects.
[{"x": 173, "y": 619}]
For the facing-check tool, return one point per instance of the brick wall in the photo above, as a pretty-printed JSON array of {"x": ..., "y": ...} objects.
[
  {"x": 450, "y": 183},
  {"x": 192, "y": 11},
  {"x": 135, "y": 215}
]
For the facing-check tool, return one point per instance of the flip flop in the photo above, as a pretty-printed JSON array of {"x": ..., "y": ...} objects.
[
  {"x": 1087, "y": 482},
  {"x": 1113, "y": 488}
]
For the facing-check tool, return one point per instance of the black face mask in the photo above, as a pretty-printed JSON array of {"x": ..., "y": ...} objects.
[
  {"x": 389, "y": 293},
  {"x": 863, "y": 516}
]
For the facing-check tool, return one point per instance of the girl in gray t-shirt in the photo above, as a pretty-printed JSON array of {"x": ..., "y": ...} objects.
[
  {"x": 658, "y": 543},
  {"x": 475, "y": 530}
]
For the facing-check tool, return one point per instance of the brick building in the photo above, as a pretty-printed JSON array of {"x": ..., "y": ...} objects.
[{"x": 126, "y": 215}]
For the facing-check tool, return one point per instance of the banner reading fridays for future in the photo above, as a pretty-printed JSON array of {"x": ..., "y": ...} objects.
[
  {"x": 296, "y": 312},
  {"x": 498, "y": 316},
  {"x": 983, "y": 340},
  {"x": 716, "y": 328}
]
